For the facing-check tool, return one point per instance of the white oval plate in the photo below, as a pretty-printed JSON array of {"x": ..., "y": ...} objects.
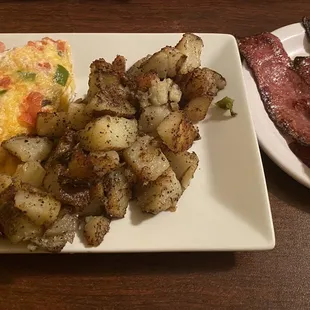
[{"x": 294, "y": 40}]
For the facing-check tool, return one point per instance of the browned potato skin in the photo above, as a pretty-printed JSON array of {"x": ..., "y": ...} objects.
[
  {"x": 183, "y": 164},
  {"x": 63, "y": 150},
  {"x": 201, "y": 82},
  {"x": 165, "y": 63},
  {"x": 177, "y": 132},
  {"x": 103, "y": 74},
  {"x": 104, "y": 162},
  {"x": 196, "y": 109},
  {"x": 119, "y": 65},
  {"x": 66, "y": 190},
  {"x": 147, "y": 161},
  {"x": 160, "y": 195},
  {"x": 117, "y": 193},
  {"x": 77, "y": 116},
  {"x": 96, "y": 227},
  {"x": 16, "y": 226},
  {"x": 51, "y": 125},
  {"x": 80, "y": 166},
  {"x": 41, "y": 207},
  {"x": 110, "y": 100}
]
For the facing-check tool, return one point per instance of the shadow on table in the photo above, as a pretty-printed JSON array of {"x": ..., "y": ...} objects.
[
  {"x": 19, "y": 266},
  {"x": 284, "y": 187}
]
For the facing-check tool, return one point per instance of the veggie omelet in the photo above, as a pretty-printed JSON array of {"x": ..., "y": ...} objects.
[{"x": 33, "y": 78}]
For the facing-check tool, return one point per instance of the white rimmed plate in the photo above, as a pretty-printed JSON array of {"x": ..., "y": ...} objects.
[
  {"x": 294, "y": 40},
  {"x": 226, "y": 207}
]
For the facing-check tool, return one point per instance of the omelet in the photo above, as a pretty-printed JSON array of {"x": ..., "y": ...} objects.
[{"x": 34, "y": 78}]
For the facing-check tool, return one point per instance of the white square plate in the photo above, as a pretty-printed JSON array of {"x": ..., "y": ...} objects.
[{"x": 226, "y": 206}]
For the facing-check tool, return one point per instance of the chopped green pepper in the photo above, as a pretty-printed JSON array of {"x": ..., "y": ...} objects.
[
  {"x": 61, "y": 75},
  {"x": 226, "y": 104},
  {"x": 27, "y": 75},
  {"x": 3, "y": 91}
]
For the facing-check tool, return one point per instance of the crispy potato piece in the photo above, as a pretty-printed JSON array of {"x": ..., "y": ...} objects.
[
  {"x": 66, "y": 223},
  {"x": 8, "y": 187},
  {"x": 63, "y": 150},
  {"x": 177, "y": 132},
  {"x": 103, "y": 74},
  {"x": 160, "y": 195},
  {"x": 112, "y": 101},
  {"x": 58, "y": 234},
  {"x": 104, "y": 162},
  {"x": 30, "y": 172},
  {"x": 183, "y": 164},
  {"x": 40, "y": 207},
  {"x": 80, "y": 166},
  {"x": 119, "y": 65},
  {"x": 17, "y": 226},
  {"x": 5, "y": 182},
  {"x": 117, "y": 192},
  {"x": 51, "y": 124},
  {"x": 144, "y": 81},
  {"x": 8, "y": 162},
  {"x": 145, "y": 160},
  {"x": 191, "y": 46},
  {"x": 165, "y": 63},
  {"x": 151, "y": 117},
  {"x": 29, "y": 148},
  {"x": 76, "y": 195},
  {"x": 201, "y": 82},
  {"x": 96, "y": 227},
  {"x": 96, "y": 205},
  {"x": 197, "y": 109},
  {"x": 135, "y": 70},
  {"x": 77, "y": 116},
  {"x": 109, "y": 133}
]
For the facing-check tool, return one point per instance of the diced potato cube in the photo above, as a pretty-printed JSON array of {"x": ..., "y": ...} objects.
[
  {"x": 77, "y": 116},
  {"x": 109, "y": 133},
  {"x": 40, "y": 207},
  {"x": 160, "y": 195},
  {"x": 29, "y": 148},
  {"x": 183, "y": 164},
  {"x": 177, "y": 132},
  {"x": 96, "y": 227},
  {"x": 146, "y": 161},
  {"x": 191, "y": 46},
  {"x": 111, "y": 101},
  {"x": 151, "y": 117},
  {"x": 104, "y": 162},
  {"x": 165, "y": 63},
  {"x": 17, "y": 226},
  {"x": 196, "y": 109},
  {"x": 51, "y": 124},
  {"x": 30, "y": 172}
]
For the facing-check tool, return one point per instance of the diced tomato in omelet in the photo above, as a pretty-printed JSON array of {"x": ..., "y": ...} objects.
[{"x": 33, "y": 78}]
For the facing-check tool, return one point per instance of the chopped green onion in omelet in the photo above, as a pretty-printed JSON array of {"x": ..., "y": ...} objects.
[
  {"x": 30, "y": 76},
  {"x": 61, "y": 75}
]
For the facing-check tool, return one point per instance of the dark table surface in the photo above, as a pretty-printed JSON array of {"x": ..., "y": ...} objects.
[{"x": 278, "y": 279}]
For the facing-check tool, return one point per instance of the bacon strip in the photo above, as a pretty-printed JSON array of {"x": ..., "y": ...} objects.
[
  {"x": 302, "y": 66},
  {"x": 286, "y": 96}
]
